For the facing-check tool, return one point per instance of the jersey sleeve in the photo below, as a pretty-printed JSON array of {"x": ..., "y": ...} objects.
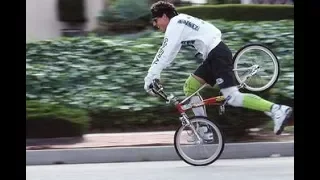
[{"x": 168, "y": 51}]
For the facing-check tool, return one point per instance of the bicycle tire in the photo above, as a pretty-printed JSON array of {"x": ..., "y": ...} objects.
[
  {"x": 256, "y": 46},
  {"x": 219, "y": 133}
]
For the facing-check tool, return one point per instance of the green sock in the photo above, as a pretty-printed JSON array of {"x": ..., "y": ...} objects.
[{"x": 255, "y": 102}]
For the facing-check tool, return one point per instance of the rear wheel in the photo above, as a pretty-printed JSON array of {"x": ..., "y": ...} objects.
[{"x": 260, "y": 60}]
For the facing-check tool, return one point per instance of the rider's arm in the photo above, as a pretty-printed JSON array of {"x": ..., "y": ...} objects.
[{"x": 169, "y": 49}]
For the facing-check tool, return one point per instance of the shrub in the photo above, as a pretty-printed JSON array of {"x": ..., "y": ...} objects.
[
  {"x": 46, "y": 120},
  {"x": 234, "y": 122},
  {"x": 93, "y": 72},
  {"x": 124, "y": 16},
  {"x": 240, "y": 12},
  {"x": 224, "y": 1}
]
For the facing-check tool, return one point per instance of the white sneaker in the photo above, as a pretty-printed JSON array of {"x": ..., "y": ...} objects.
[
  {"x": 280, "y": 116},
  {"x": 203, "y": 133}
]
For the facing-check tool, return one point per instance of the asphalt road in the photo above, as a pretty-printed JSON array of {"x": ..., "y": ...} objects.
[{"x": 277, "y": 168}]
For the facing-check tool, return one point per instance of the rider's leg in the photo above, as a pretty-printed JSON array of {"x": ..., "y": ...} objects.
[
  {"x": 221, "y": 64},
  {"x": 228, "y": 87},
  {"x": 192, "y": 84},
  {"x": 279, "y": 113}
]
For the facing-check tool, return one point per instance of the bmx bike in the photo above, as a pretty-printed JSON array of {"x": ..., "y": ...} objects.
[{"x": 246, "y": 68}]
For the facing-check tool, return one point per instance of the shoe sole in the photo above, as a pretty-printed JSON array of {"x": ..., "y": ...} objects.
[{"x": 285, "y": 122}]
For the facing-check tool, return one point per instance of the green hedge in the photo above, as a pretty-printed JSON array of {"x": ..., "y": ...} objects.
[
  {"x": 45, "y": 120},
  {"x": 234, "y": 122},
  {"x": 105, "y": 75},
  {"x": 242, "y": 12},
  {"x": 123, "y": 16}
]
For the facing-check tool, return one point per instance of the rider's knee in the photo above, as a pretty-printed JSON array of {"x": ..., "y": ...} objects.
[
  {"x": 191, "y": 85},
  {"x": 236, "y": 97}
]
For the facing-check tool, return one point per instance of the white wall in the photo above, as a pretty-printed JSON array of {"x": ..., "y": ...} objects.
[
  {"x": 245, "y": 1},
  {"x": 42, "y": 20},
  {"x": 196, "y": 1}
]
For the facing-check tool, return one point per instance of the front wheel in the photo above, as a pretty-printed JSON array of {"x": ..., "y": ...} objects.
[
  {"x": 256, "y": 67},
  {"x": 200, "y": 143}
]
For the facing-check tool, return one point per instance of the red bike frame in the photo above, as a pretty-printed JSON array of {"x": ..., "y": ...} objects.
[{"x": 218, "y": 100}]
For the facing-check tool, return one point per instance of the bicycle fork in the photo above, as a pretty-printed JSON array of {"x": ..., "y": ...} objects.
[
  {"x": 185, "y": 122},
  {"x": 254, "y": 70}
]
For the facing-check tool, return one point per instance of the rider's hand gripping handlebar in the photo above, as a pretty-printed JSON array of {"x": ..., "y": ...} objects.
[{"x": 157, "y": 89}]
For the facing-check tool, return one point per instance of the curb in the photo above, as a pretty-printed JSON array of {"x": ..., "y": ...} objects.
[
  {"x": 151, "y": 153},
  {"x": 53, "y": 141}
]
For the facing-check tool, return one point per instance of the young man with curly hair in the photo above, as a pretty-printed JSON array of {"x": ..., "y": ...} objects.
[{"x": 183, "y": 29}]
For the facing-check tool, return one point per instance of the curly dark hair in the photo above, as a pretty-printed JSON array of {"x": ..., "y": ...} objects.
[{"x": 163, "y": 7}]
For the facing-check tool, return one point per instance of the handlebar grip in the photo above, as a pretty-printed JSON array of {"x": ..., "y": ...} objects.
[
  {"x": 155, "y": 83},
  {"x": 157, "y": 88}
]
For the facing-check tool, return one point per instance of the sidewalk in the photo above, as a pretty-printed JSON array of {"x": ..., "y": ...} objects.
[{"x": 127, "y": 140}]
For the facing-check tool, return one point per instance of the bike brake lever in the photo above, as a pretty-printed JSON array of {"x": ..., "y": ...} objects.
[{"x": 157, "y": 88}]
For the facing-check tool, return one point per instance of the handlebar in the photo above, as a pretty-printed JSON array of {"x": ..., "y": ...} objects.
[
  {"x": 156, "y": 86},
  {"x": 157, "y": 89}
]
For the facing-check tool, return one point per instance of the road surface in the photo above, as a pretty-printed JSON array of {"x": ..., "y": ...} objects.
[{"x": 276, "y": 168}]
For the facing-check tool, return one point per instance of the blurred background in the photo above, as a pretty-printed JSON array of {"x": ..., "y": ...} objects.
[{"x": 86, "y": 60}]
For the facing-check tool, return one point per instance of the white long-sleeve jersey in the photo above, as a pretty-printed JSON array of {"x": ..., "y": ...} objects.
[{"x": 184, "y": 29}]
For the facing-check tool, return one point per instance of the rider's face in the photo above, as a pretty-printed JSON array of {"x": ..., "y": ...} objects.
[{"x": 161, "y": 22}]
